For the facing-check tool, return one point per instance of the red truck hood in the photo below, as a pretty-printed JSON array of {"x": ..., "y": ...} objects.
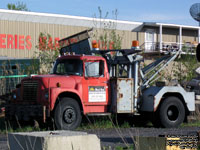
[{"x": 53, "y": 80}]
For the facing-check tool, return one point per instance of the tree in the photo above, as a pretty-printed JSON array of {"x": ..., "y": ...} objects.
[{"x": 18, "y": 6}]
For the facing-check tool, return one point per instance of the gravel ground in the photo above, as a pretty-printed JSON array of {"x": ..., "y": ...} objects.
[
  {"x": 3, "y": 142},
  {"x": 118, "y": 137},
  {"x": 113, "y": 137}
]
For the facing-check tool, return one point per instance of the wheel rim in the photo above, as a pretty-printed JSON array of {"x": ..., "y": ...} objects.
[
  {"x": 69, "y": 115},
  {"x": 172, "y": 113}
]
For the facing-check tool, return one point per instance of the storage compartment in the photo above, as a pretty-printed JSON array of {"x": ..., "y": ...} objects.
[{"x": 122, "y": 95}]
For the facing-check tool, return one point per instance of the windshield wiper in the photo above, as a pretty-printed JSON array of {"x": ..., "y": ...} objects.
[
  {"x": 58, "y": 73},
  {"x": 74, "y": 73}
]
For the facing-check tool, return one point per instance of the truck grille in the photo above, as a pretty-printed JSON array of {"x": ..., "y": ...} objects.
[{"x": 30, "y": 90}]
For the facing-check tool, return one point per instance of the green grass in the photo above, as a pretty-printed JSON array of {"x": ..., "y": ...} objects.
[
  {"x": 10, "y": 127},
  {"x": 130, "y": 147},
  {"x": 92, "y": 123},
  {"x": 191, "y": 124},
  {"x": 22, "y": 129},
  {"x": 98, "y": 124},
  {"x": 102, "y": 123}
]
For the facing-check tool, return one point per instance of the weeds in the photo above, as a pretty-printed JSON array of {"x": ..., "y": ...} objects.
[
  {"x": 92, "y": 123},
  {"x": 124, "y": 148},
  {"x": 131, "y": 147},
  {"x": 194, "y": 119},
  {"x": 191, "y": 124},
  {"x": 7, "y": 127},
  {"x": 48, "y": 52},
  {"x": 182, "y": 70},
  {"x": 101, "y": 123}
]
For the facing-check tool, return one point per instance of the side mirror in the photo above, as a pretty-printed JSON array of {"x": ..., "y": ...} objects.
[{"x": 198, "y": 52}]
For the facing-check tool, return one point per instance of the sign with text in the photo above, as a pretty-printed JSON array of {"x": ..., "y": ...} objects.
[
  {"x": 97, "y": 94},
  {"x": 15, "y": 41},
  {"x": 24, "y": 42}
]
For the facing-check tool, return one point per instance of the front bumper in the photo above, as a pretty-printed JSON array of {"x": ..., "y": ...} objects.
[{"x": 26, "y": 112}]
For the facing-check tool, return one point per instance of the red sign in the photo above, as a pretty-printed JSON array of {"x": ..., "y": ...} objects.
[
  {"x": 48, "y": 44},
  {"x": 15, "y": 41},
  {"x": 22, "y": 42},
  {"x": 68, "y": 42},
  {"x": 9, "y": 41}
]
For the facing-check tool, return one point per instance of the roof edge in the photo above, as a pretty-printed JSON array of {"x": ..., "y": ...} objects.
[{"x": 66, "y": 16}]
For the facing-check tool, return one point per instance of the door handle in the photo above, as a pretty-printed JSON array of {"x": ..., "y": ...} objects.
[{"x": 105, "y": 82}]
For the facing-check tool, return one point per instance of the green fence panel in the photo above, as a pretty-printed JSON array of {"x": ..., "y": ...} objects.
[{"x": 12, "y": 71}]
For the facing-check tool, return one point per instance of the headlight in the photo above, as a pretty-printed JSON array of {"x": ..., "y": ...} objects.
[
  {"x": 46, "y": 95},
  {"x": 14, "y": 96}
]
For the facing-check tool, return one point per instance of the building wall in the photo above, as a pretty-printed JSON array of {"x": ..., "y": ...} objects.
[
  {"x": 10, "y": 29},
  {"x": 14, "y": 36},
  {"x": 170, "y": 35},
  {"x": 129, "y": 36},
  {"x": 190, "y": 36}
]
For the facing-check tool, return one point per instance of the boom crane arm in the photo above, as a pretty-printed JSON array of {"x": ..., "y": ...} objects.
[{"x": 149, "y": 72}]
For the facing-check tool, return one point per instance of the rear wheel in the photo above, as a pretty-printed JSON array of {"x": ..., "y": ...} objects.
[
  {"x": 171, "y": 112},
  {"x": 67, "y": 114}
]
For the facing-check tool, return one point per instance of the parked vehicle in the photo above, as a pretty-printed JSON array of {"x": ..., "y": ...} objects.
[
  {"x": 194, "y": 84},
  {"x": 81, "y": 84}
]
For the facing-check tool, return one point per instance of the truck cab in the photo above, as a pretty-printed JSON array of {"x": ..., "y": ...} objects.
[
  {"x": 84, "y": 74},
  {"x": 82, "y": 79}
]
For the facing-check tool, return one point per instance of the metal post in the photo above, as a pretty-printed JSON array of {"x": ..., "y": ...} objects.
[
  {"x": 116, "y": 69},
  {"x": 130, "y": 71},
  {"x": 136, "y": 84},
  {"x": 161, "y": 38},
  {"x": 199, "y": 33},
  {"x": 180, "y": 38},
  {"x": 113, "y": 70}
]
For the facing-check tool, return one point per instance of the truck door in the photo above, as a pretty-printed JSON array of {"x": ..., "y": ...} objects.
[{"x": 95, "y": 86}]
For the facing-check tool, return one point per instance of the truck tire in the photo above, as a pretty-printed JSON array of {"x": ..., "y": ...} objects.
[
  {"x": 171, "y": 112},
  {"x": 67, "y": 114}
]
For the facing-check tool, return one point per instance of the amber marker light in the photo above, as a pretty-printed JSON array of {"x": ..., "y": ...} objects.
[
  {"x": 135, "y": 45},
  {"x": 58, "y": 84},
  {"x": 95, "y": 45}
]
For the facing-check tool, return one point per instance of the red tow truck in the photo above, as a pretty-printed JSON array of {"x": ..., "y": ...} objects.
[{"x": 82, "y": 83}]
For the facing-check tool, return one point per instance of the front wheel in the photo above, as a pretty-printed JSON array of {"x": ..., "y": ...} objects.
[
  {"x": 171, "y": 112},
  {"x": 67, "y": 114}
]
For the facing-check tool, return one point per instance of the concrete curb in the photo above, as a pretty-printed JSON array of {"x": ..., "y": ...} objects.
[{"x": 53, "y": 140}]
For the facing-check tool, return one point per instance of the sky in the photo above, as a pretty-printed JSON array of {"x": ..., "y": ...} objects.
[{"x": 161, "y": 11}]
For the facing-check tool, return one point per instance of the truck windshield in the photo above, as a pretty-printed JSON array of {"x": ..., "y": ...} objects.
[{"x": 68, "y": 67}]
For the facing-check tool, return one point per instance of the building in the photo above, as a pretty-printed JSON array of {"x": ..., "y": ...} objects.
[{"x": 20, "y": 32}]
